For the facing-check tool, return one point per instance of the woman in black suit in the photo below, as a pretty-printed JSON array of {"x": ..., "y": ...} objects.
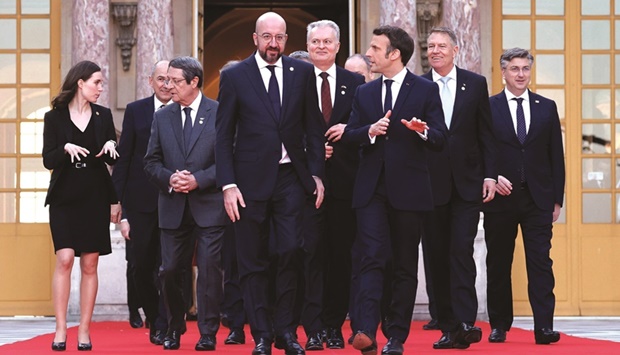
[{"x": 78, "y": 139}]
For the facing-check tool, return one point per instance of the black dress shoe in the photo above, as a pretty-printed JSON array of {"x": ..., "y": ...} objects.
[
  {"x": 85, "y": 346},
  {"x": 447, "y": 342},
  {"x": 191, "y": 317},
  {"x": 288, "y": 342},
  {"x": 157, "y": 336},
  {"x": 546, "y": 336},
  {"x": 236, "y": 337},
  {"x": 59, "y": 346},
  {"x": 335, "y": 340},
  {"x": 393, "y": 347},
  {"x": 135, "y": 319},
  {"x": 433, "y": 324},
  {"x": 205, "y": 343},
  {"x": 324, "y": 335},
  {"x": 315, "y": 342},
  {"x": 263, "y": 347},
  {"x": 497, "y": 336},
  {"x": 467, "y": 334},
  {"x": 365, "y": 343},
  {"x": 172, "y": 341}
]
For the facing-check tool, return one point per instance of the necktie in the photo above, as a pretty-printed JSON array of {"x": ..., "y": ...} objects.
[
  {"x": 446, "y": 101},
  {"x": 387, "y": 104},
  {"x": 187, "y": 127},
  {"x": 521, "y": 133},
  {"x": 326, "y": 98},
  {"x": 160, "y": 107},
  {"x": 274, "y": 91}
]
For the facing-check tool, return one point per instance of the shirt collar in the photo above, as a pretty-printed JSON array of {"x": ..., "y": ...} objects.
[
  {"x": 510, "y": 96},
  {"x": 398, "y": 78},
  {"x": 159, "y": 103},
  {"x": 451, "y": 74},
  {"x": 196, "y": 103},
  {"x": 331, "y": 71},
  {"x": 263, "y": 64}
]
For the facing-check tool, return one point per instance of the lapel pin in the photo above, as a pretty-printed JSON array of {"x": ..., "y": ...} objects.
[
  {"x": 291, "y": 69},
  {"x": 200, "y": 120},
  {"x": 536, "y": 101},
  {"x": 342, "y": 92},
  {"x": 463, "y": 88},
  {"x": 97, "y": 113}
]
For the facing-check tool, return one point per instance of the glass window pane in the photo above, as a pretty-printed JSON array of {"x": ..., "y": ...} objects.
[
  {"x": 31, "y": 209},
  {"x": 35, "y": 68},
  {"x": 549, "y": 69},
  {"x": 35, "y": 103},
  {"x": 556, "y": 95},
  {"x": 8, "y": 98},
  {"x": 35, "y": 34},
  {"x": 7, "y": 207},
  {"x": 516, "y": 7},
  {"x": 596, "y": 208},
  {"x": 8, "y": 28},
  {"x": 8, "y": 71},
  {"x": 617, "y": 57},
  {"x": 595, "y": 7},
  {"x": 36, "y": 7},
  {"x": 595, "y": 103},
  {"x": 7, "y": 138},
  {"x": 596, "y": 173},
  {"x": 8, "y": 7},
  {"x": 595, "y": 69},
  {"x": 31, "y": 138},
  {"x": 8, "y": 168},
  {"x": 595, "y": 34},
  {"x": 550, "y": 34},
  {"x": 596, "y": 138},
  {"x": 550, "y": 7},
  {"x": 33, "y": 175},
  {"x": 617, "y": 7},
  {"x": 516, "y": 33}
]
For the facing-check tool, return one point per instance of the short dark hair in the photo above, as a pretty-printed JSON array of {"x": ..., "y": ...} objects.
[
  {"x": 191, "y": 67},
  {"x": 512, "y": 53},
  {"x": 301, "y": 55},
  {"x": 447, "y": 31},
  {"x": 399, "y": 39},
  {"x": 82, "y": 70}
]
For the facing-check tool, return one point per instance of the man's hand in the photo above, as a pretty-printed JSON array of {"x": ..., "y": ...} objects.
[
  {"x": 75, "y": 151},
  {"x": 125, "y": 228},
  {"x": 556, "y": 212},
  {"x": 232, "y": 200},
  {"x": 319, "y": 192},
  {"x": 380, "y": 127},
  {"x": 334, "y": 133},
  {"x": 108, "y": 148},
  {"x": 183, "y": 181},
  {"x": 115, "y": 213},
  {"x": 415, "y": 125},
  {"x": 329, "y": 151},
  {"x": 488, "y": 190},
  {"x": 504, "y": 186}
]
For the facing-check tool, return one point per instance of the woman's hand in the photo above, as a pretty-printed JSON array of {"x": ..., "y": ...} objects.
[
  {"x": 108, "y": 148},
  {"x": 75, "y": 151}
]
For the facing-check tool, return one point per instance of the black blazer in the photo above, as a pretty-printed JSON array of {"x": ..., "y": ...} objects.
[
  {"x": 250, "y": 136},
  {"x": 402, "y": 153},
  {"x": 469, "y": 153},
  {"x": 58, "y": 131},
  {"x": 132, "y": 186},
  {"x": 542, "y": 153}
]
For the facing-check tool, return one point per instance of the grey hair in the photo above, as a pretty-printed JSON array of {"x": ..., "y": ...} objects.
[
  {"x": 447, "y": 31},
  {"x": 323, "y": 23},
  {"x": 362, "y": 57},
  {"x": 301, "y": 55},
  {"x": 191, "y": 67},
  {"x": 229, "y": 64},
  {"x": 516, "y": 52},
  {"x": 154, "y": 67}
]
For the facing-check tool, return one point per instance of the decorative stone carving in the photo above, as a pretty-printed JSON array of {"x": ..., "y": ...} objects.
[
  {"x": 125, "y": 16},
  {"x": 428, "y": 17}
]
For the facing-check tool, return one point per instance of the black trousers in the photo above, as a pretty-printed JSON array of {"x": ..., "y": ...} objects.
[{"x": 232, "y": 303}]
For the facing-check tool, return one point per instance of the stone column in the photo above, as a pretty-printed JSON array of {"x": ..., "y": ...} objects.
[
  {"x": 402, "y": 13},
  {"x": 154, "y": 40},
  {"x": 463, "y": 16},
  {"x": 91, "y": 38}
]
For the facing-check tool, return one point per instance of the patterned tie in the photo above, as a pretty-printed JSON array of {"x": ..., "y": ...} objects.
[
  {"x": 521, "y": 132},
  {"x": 187, "y": 127},
  {"x": 446, "y": 101},
  {"x": 326, "y": 98},
  {"x": 274, "y": 91},
  {"x": 387, "y": 104}
]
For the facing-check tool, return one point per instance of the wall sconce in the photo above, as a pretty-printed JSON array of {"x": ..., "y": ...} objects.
[
  {"x": 428, "y": 17},
  {"x": 125, "y": 16}
]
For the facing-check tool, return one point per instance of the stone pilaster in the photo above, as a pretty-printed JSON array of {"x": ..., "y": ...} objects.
[
  {"x": 402, "y": 13},
  {"x": 91, "y": 38},
  {"x": 463, "y": 16},
  {"x": 154, "y": 40}
]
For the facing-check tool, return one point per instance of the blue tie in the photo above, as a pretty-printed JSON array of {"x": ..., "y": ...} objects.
[
  {"x": 521, "y": 132},
  {"x": 274, "y": 91},
  {"x": 387, "y": 104},
  {"x": 187, "y": 127}
]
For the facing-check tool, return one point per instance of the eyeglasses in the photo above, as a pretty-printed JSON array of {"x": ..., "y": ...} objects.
[
  {"x": 175, "y": 82},
  {"x": 516, "y": 70},
  {"x": 267, "y": 37}
]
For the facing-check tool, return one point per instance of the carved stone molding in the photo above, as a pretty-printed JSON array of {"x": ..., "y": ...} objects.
[
  {"x": 125, "y": 16},
  {"x": 428, "y": 17}
]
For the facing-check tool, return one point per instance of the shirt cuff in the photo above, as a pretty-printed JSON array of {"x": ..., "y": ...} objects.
[
  {"x": 424, "y": 135},
  {"x": 229, "y": 186}
]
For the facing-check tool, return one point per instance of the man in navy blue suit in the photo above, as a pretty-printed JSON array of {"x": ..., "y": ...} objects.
[
  {"x": 270, "y": 157},
  {"x": 394, "y": 120},
  {"x": 463, "y": 176},
  {"x": 530, "y": 187}
]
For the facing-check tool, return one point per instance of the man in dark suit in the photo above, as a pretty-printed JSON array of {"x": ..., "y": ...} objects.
[
  {"x": 463, "y": 176},
  {"x": 270, "y": 156},
  {"x": 329, "y": 231},
  {"x": 395, "y": 119},
  {"x": 138, "y": 198},
  {"x": 530, "y": 187},
  {"x": 180, "y": 160}
]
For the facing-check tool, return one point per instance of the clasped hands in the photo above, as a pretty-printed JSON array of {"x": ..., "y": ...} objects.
[
  {"x": 380, "y": 127},
  {"x": 333, "y": 134},
  {"x": 183, "y": 181},
  {"x": 75, "y": 151}
]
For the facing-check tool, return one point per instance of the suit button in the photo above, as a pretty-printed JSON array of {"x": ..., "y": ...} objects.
[{"x": 387, "y": 138}]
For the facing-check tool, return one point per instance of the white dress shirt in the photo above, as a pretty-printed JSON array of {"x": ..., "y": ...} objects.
[
  {"x": 331, "y": 79},
  {"x": 512, "y": 105}
]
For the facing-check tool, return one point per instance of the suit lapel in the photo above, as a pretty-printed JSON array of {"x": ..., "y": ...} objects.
[
  {"x": 202, "y": 116},
  {"x": 96, "y": 117},
  {"x": 377, "y": 86},
  {"x": 341, "y": 90},
  {"x": 505, "y": 117},
  {"x": 535, "y": 117},
  {"x": 256, "y": 80},
  {"x": 288, "y": 78},
  {"x": 175, "y": 125},
  {"x": 405, "y": 89},
  {"x": 460, "y": 96}
]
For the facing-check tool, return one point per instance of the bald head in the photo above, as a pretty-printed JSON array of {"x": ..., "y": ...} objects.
[
  {"x": 269, "y": 18},
  {"x": 270, "y": 36}
]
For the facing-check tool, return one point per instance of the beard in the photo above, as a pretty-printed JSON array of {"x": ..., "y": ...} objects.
[{"x": 270, "y": 58}]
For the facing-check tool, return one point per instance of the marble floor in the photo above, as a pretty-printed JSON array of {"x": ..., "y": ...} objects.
[{"x": 14, "y": 329}]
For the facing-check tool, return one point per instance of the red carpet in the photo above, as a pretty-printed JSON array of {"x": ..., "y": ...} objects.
[{"x": 119, "y": 338}]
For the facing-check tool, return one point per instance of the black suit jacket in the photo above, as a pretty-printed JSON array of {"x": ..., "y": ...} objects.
[
  {"x": 341, "y": 168},
  {"x": 250, "y": 136},
  {"x": 469, "y": 153},
  {"x": 132, "y": 186},
  {"x": 541, "y": 154},
  {"x": 58, "y": 131},
  {"x": 402, "y": 153}
]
